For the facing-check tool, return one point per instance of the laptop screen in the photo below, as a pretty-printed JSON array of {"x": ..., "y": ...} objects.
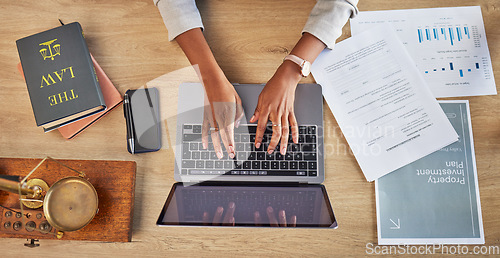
[{"x": 247, "y": 206}]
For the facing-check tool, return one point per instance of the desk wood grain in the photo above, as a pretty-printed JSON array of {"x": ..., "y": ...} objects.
[{"x": 249, "y": 40}]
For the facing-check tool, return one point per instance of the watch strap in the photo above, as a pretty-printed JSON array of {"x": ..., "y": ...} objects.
[
  {"x": 299, "y": 61},
  {"x": 305, "y": 66}
]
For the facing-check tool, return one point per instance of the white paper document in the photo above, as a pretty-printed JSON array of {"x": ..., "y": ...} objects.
[
  {"x": 383, "y": 106},
  {"x": 448, "y": 45}
]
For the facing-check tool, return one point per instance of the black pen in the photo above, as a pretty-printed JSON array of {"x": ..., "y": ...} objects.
[{"x": 129, "y": 122}]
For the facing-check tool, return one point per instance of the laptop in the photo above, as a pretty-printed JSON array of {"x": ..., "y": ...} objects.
[{"x": 276, "y": 187}]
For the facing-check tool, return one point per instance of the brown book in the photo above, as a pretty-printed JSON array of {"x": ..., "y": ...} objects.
[{"x": 112, "y": 98}]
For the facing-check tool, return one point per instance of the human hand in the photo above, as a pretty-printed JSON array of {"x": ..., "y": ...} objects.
[
  {"x": 217, "y": 219},
  {"x": 273, "y": 222},
  {"x": 230, "y": 221},
  {"x": 223, "y": 105},
  {"x": 276, "y": 104},
  {"x": 223, "y": 111}
]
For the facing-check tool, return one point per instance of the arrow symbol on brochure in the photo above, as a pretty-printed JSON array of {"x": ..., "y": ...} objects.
[{"x": 396, "y": 226}]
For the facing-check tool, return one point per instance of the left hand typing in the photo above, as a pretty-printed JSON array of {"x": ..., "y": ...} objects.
[{"x": 276, "y": 104}]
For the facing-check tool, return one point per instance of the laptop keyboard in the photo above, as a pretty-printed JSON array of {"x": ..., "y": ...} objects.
[{"x": 300, "y": 159}]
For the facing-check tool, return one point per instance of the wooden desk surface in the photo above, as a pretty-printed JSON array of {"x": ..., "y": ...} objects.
[{"x": 249, "y": 40}]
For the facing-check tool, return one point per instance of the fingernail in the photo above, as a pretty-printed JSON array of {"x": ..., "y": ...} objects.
[
  {"x": 231, "y": 205},
  {"x": 219, "y": 154},
  {"x": 283, "y": 150},
  {"x": 252, "y": 118},
  {"x": 257, "y": 145},
  {"x": 256, "y": 216},
  {"x": 270, "y": 151},
  {"x": 204, "y": 145},
  {"x": 237, "y": 124}
]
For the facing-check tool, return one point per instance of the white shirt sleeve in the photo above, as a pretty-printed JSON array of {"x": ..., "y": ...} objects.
[
  {"x": 327, "y": 19},
  {"x": 179, "y": 16}
]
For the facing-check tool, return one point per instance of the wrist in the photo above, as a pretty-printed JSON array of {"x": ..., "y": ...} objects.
[
  {"x": 290, "y": 72},
  {"x": 211, "y": 75}
]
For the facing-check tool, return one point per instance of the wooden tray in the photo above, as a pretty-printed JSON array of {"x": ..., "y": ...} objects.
[{"x": 114, "y": 182}]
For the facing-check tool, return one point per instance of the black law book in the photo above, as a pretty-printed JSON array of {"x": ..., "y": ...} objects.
[{"x": 60, "y": 76}]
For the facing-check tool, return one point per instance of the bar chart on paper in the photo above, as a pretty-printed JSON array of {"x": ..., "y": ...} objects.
[
  {"x": 448, "y": 46},
  {"x": 452, "y": 35}
]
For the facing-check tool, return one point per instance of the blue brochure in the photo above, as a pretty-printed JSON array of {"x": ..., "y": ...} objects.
[{"x": 434, "y": 200}]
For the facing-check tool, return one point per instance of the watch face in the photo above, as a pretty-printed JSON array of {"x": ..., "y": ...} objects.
[{"x": 306, "y": 69}]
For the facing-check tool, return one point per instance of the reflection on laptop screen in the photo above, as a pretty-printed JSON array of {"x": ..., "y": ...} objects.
[{"x": 213, "y": 205}]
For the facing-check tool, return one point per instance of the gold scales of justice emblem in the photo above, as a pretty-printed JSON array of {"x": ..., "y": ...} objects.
[
  {"x": 68, "y": 205},
  {"x": 56, "y": 47}
]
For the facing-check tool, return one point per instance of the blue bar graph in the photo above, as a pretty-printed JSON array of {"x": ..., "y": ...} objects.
[
  {"x": 451, "y": 35},
  {"x": 462, "y": 71},
  {"x": 447, "y": 33}
]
